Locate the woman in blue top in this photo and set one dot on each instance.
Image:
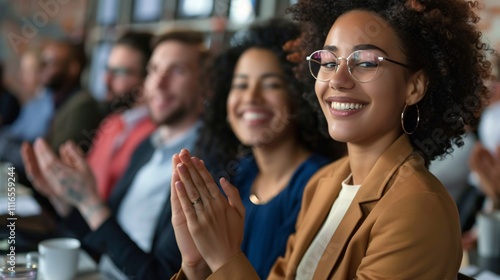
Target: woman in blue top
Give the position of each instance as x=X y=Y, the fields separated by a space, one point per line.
x=262 y=133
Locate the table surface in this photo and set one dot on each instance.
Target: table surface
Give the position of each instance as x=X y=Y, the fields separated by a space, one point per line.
x=472 y=265
x=87 y=268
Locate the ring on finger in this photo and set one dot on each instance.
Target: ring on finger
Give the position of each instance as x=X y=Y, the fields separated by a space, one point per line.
x=196 y=201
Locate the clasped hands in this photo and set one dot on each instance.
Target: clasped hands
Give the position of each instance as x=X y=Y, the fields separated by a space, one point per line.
x=67 y=181
x=208 y=225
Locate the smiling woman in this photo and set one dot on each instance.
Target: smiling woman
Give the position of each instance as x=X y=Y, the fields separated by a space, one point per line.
x=258 y=106
x=258 y=124
x=378 y=213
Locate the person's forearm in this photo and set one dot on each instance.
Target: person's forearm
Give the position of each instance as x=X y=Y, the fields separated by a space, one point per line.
x=238 y=267
x=94 y=213
x=62 y=208
x=194 y=273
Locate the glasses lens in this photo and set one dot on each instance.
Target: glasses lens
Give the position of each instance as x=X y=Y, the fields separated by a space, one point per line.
x=363 y=65
x=118 y=71
x=322 y=65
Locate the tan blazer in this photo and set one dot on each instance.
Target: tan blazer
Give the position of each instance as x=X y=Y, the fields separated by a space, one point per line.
x=402 y=224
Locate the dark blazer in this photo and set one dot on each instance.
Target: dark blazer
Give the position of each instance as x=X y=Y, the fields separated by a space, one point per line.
x=9 y=107
x=163 y=260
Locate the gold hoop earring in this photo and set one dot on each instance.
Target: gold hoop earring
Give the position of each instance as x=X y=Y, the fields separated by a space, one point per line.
x=403 y=120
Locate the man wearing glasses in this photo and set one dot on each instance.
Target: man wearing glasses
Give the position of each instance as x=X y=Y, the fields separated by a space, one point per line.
x=129 y=124
x=61 y=111
x=133 y=229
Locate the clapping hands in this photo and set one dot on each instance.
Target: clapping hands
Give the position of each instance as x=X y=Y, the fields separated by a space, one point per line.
x=67 y=181
x=208 y=226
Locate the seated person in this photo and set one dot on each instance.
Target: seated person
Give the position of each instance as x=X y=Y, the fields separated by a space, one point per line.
x=61 y=112
x=37 y=110
x=132 y=230
x=121 y=132
x=484 y=159
x=78 y=113
x=270 y=144
x=385 y=74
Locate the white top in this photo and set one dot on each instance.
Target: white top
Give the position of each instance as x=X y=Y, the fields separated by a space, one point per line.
x=309 y=262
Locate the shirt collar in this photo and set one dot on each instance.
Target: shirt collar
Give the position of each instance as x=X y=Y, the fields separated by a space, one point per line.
x=134 y=115
x=159 y=143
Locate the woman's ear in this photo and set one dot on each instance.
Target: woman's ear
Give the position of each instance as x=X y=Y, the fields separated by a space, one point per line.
x=417 y=87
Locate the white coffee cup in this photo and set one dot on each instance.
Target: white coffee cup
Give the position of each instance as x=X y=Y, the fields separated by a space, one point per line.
x=57 y=258
x=488 y=239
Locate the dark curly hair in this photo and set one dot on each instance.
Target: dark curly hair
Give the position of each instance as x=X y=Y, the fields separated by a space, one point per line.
x=439 y=37
x=217 y=145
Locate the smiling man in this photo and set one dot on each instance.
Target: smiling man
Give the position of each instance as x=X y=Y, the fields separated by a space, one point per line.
x=133 y=229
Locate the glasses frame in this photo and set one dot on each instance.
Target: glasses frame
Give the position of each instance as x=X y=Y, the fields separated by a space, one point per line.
x=339 y=58
x=120 y=71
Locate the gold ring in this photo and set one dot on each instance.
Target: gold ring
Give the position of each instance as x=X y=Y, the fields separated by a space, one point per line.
x=196 y=201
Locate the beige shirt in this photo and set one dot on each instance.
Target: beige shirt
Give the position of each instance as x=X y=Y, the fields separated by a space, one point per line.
x=310 y=261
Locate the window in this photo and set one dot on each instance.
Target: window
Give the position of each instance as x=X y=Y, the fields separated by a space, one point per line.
x=194 y=8
x=107 y=12
x=147 y=10
x=243 y=11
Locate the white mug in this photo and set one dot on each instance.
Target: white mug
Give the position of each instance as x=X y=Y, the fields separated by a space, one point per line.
x=488 y=239
x=57 y=258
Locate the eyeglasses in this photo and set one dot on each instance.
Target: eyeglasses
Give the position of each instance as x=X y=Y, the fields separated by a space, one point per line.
x=119 y=71
x=50 y=62
x=172 y=70
x=362 y=64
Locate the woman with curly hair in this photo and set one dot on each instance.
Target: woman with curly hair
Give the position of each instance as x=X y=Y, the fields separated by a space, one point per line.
x=397 y=81
x=260 y=132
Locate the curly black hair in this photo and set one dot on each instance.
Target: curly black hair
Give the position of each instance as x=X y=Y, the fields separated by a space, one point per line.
x=439 y=37
x=217 y=145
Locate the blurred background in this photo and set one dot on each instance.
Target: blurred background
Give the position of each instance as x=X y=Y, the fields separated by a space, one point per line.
x=26 y=24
